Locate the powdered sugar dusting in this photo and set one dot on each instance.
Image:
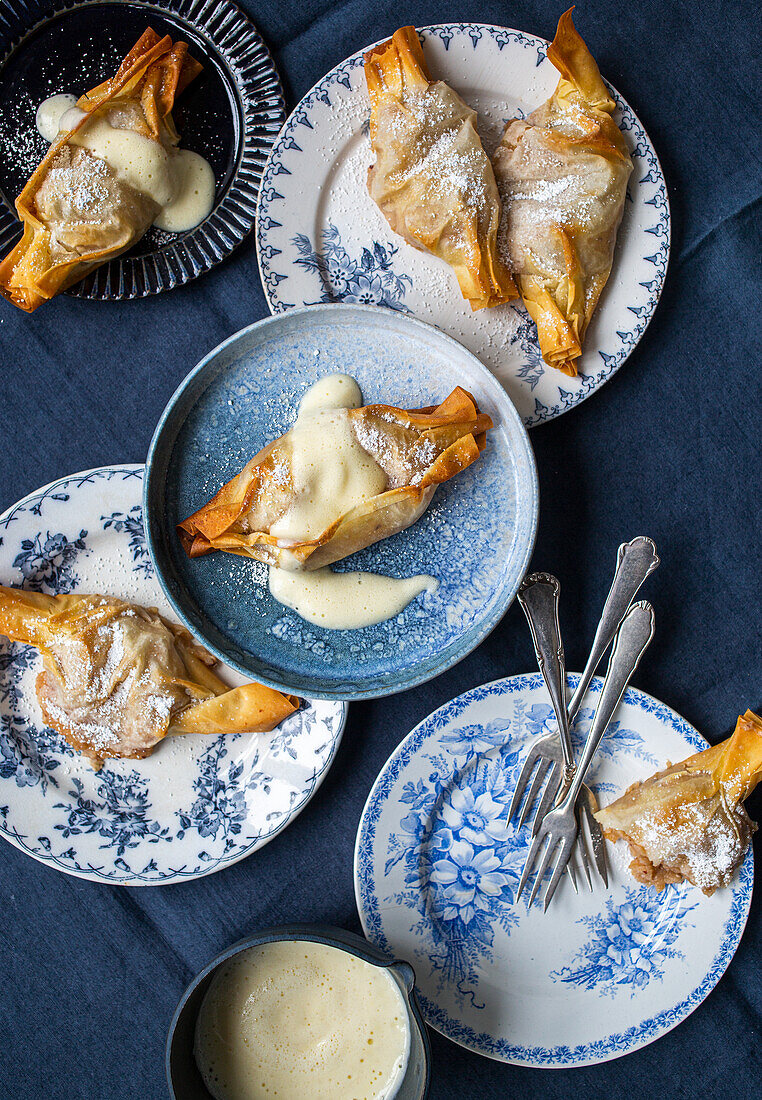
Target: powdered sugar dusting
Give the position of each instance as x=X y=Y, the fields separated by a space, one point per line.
x=704 y=840
x=488 y=333
x=81 y=185
x=114 y=678
x=23 y=146
x=452 y=168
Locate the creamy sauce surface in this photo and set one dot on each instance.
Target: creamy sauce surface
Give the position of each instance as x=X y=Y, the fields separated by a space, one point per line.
x=295 y=1019
x=139 y=161
x=50 y=112
x=334 y=391
x=346 y=601
x=193 y=198
x=332 y=474
x=179 y=181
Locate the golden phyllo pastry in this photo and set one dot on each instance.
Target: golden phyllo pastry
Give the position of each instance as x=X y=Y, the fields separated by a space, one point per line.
x=432 y=179
x=340 y=480
x=563 y=174
x=80 y=210
x=118 y=678
x=688 y=822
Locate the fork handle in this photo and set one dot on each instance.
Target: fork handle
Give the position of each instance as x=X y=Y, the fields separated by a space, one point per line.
x=538 y=596
x=635 y=561
x=630 y=643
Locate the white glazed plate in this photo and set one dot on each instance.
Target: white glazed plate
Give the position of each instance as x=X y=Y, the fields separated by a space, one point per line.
x=320 y=237
x=437 y=865
x=195 y=805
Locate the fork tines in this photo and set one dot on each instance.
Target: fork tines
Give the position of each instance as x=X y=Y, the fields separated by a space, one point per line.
x=550 y=770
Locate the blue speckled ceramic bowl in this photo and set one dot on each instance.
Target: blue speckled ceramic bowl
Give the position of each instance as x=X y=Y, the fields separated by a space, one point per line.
x=476 y=537
x=185 y=1081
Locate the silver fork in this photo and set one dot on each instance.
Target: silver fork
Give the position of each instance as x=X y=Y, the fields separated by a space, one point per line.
x=559 y=828
x=635 y=561
x=538 y=596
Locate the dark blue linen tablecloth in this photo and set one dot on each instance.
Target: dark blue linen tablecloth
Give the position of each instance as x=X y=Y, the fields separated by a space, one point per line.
x=90 y=974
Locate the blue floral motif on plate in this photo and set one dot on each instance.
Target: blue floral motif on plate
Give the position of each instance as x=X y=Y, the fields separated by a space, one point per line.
x=437 y=864
x=196 y=804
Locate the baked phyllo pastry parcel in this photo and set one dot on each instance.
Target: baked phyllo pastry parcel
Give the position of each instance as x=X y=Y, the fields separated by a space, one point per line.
x=103 y=181
x=563 y=175
x=688 y=822
x=338 y=481
x=432 y=179
x=118 y=678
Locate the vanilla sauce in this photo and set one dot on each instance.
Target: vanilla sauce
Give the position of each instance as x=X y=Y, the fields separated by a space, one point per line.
x=294 y=1019
x=332 y=473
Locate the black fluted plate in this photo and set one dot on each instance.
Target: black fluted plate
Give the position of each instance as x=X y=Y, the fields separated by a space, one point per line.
x=231 y=114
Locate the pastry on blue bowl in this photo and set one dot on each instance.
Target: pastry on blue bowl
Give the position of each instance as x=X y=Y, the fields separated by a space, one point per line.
x=367 y=489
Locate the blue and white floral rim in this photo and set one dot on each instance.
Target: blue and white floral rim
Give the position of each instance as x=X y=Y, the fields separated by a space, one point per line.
x=197 y=804
x=636 y=962
x=320 y=238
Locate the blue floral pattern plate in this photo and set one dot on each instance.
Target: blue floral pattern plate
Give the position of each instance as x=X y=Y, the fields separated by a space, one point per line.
x=437 y=864
x=320 y=238
x=197 y=804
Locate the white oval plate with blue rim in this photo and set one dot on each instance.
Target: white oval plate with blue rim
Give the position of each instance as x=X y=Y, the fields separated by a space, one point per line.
x=197 y=804
x=437 y=865
x=320 y=238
